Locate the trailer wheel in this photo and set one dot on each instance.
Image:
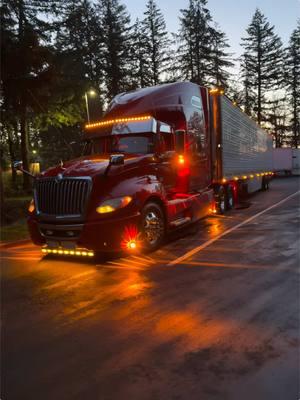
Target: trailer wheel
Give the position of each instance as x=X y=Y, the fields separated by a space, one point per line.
x=152 y=226
x=221 y=200
x=229 y=198
x=265 y=184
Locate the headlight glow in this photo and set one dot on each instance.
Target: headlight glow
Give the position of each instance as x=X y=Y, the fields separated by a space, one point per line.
x=113 y=204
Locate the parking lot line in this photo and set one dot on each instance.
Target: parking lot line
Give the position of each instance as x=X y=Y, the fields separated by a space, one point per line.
x=209 y=242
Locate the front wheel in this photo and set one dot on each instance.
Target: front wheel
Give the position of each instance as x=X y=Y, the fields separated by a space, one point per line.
x=152 y=226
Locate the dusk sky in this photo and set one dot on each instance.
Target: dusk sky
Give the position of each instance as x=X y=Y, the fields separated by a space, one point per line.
x=233 y=16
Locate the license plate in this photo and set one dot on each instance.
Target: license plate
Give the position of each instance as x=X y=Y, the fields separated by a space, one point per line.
x=52 y=243
x=68 y=245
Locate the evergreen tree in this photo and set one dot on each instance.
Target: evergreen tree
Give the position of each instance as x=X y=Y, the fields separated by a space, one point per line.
x=79 y=44
x=194 y=53
x=156 y=41
x=278 y=122
x=139 y=57
x=293 y=83
x=25 y=65
x=262 y=65
x=220 y=59
x=116 y=42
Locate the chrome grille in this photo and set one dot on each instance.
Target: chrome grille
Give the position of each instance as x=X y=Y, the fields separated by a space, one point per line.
x=67 y=196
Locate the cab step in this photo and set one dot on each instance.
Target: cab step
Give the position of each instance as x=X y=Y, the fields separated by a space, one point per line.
x=180 y=221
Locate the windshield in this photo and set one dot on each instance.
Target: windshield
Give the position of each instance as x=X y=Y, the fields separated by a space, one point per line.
x=125 y=144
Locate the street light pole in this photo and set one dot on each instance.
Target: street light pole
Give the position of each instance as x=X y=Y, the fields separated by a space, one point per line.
x=91 y=93
x=87 y=107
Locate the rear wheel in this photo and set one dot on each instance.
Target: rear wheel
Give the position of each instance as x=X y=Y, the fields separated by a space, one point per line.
x=229 y=198
x=265 y=184
x=152 y=226
x=221 y=200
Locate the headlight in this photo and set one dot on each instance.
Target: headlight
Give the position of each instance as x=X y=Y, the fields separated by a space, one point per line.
x=113 y=204
x=31 y=206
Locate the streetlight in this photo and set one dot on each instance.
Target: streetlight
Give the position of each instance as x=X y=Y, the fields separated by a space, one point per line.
x=91 y=93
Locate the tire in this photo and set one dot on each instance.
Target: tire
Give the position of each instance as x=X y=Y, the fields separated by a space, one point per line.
x=265 y=184
x=229 y=198
x=152 y=226
x=221 y=200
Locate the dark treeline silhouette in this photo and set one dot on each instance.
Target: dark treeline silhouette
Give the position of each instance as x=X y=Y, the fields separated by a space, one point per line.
x=55 y=51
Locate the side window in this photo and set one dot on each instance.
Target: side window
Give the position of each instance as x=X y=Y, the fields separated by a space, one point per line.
x=196 y=127
x=166 y=138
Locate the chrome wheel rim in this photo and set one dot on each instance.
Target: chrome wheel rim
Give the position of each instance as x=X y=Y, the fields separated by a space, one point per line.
x=153 y=227
x=222 y=205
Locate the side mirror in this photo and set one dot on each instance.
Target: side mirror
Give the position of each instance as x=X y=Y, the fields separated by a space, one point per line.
x=179 y=141
x=18 y=165
x=116 y=159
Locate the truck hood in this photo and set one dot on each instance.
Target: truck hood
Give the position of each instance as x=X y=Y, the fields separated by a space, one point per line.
x=83 y=166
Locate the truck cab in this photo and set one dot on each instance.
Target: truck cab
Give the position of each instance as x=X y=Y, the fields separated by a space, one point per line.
x=144 y=170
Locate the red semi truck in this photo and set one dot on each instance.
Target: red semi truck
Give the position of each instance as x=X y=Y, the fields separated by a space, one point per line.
x=161 y=158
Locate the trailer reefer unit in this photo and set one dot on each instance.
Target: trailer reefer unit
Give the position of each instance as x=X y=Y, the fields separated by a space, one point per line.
x=162 y=157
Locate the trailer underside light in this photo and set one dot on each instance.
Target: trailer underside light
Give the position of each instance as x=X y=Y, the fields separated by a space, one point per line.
x=84 y=253
x=117 y=121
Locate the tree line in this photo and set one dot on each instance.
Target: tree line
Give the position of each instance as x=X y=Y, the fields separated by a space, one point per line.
x=55 y=51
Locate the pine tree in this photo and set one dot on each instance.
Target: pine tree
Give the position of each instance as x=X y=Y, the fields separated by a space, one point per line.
x=79 y=44
x=293 y=83
x=278 y=122
x=194 y=52
x=115 y=21
x=220 y=59
x=25 y=64
x=262 y=65
x=156 y=41
x=139 y=56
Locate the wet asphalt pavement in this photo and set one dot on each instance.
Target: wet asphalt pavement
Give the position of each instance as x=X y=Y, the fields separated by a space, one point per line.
x=221 y=324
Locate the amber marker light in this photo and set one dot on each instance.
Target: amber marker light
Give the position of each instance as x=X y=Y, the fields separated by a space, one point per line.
x=31 y=206
x=251 y=176
x=84 y=253
x=236 y=178
x=117 y=121
x=224 y=180
x=245 y=177
x=132 y=245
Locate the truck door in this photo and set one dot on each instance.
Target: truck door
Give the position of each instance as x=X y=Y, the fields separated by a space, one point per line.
x=166 y=172
x=197 y=147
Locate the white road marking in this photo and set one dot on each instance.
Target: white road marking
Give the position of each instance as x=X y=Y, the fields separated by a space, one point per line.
x=209 y=242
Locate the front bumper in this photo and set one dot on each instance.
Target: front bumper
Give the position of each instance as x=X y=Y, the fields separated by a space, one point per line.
x=103 y=235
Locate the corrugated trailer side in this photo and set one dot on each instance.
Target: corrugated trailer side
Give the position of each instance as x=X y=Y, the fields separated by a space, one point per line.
x=241 y=151
x=246 y=148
